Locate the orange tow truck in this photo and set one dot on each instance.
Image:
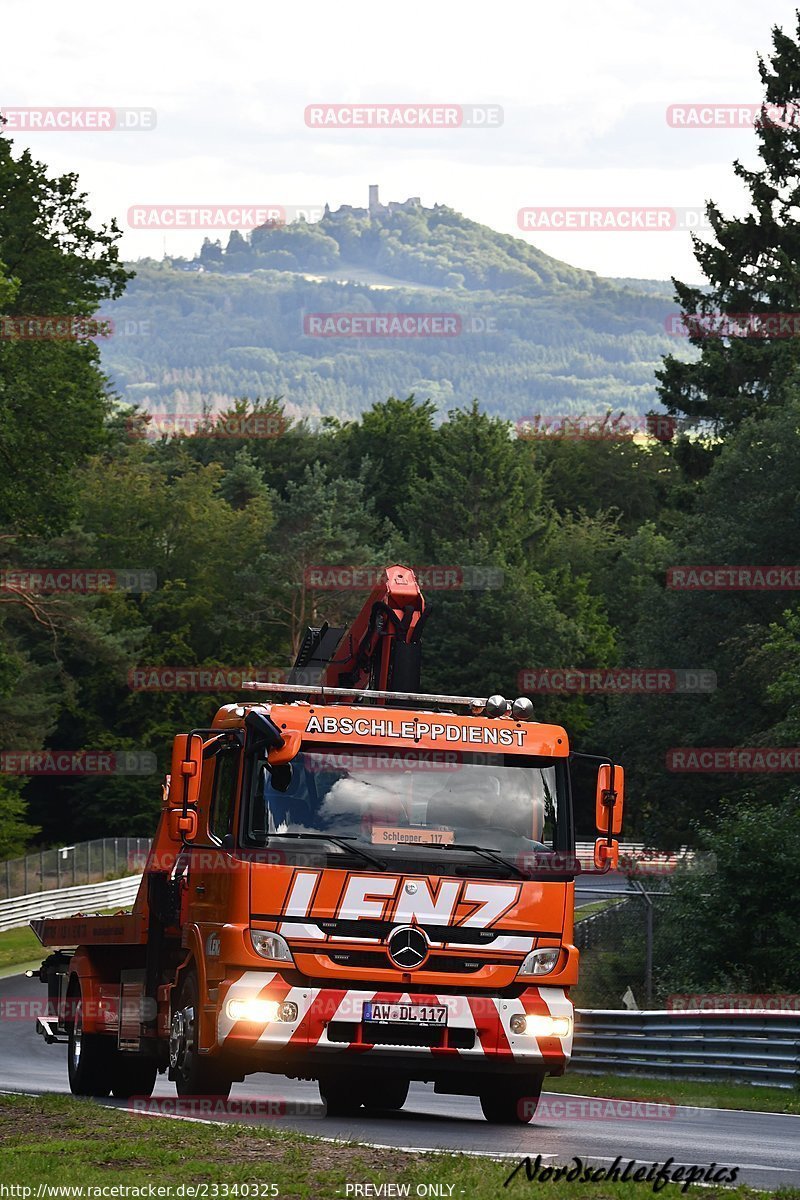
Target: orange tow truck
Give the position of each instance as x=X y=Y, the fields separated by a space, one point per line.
x=351 y=881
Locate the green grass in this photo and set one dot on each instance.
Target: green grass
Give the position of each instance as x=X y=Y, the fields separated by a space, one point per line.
x=60 y=1140
x=19 y=946
x=588 y=910
x=700 y=1094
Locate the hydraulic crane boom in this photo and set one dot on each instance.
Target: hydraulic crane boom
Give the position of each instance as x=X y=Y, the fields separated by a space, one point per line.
x=381 y=648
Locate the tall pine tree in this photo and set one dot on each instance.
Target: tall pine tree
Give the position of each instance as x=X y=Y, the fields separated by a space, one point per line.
x=753 y=267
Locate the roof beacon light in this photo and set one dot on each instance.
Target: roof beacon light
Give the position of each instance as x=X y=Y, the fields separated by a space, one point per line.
x=522 y=709
x=356 y=695
x=496 y=706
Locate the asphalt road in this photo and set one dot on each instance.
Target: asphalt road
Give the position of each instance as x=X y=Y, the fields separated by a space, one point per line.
x=765 y=1146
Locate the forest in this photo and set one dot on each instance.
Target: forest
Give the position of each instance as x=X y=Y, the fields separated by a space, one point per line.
x=533 y=334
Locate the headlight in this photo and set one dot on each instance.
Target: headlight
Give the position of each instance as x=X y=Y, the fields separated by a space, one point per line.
x=270 y=945
x=536 y=1025
x=261 y=1012
x=540 y=962
x=258 y=1011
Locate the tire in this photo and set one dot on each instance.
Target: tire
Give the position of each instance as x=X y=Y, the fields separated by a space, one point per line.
x=193 y=1074
x=132 y=1075
x=341 y=1099
x=510 y=1103
x=90 y=1056
x=387 y=1096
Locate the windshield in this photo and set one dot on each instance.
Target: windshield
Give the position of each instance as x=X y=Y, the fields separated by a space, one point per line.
x=412 y=801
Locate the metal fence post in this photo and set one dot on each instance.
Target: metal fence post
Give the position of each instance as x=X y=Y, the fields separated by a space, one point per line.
x=648 y=960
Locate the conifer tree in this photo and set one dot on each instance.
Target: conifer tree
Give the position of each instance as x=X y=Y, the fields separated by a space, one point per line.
x=746 y=320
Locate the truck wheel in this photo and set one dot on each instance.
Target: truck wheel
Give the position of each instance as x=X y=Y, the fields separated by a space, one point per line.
x=193 y=1075
x=341 y=1099
x=132 y=1075
x=389 y=1095
x=89 y=1055
x=510 y=1103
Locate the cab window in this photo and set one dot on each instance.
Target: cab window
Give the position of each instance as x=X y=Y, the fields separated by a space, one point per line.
x=226 y=777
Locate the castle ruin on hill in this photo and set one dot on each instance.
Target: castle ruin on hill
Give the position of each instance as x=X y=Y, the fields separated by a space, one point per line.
x=374 y=206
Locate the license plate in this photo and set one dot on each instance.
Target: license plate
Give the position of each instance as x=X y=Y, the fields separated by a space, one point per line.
x=405 y=1014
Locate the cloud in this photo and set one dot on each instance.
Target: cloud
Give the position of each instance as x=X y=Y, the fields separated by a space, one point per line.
x=584 y=88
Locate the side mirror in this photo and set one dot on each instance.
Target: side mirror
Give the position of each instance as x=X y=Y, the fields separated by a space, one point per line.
x=262 y=732
x=187 y=769
x=606 y=858
x=183 y=828
x=280 y=755
x=608 y=803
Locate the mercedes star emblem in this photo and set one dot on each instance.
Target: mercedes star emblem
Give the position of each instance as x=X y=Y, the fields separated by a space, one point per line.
x=408 y=947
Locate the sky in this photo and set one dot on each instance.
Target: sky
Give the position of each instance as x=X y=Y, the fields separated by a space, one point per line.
x=584 y=90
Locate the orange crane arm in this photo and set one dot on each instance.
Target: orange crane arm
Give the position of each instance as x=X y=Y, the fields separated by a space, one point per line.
x=381 y=648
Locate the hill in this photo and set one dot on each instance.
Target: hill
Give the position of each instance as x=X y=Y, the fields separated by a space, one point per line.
x=518 y=329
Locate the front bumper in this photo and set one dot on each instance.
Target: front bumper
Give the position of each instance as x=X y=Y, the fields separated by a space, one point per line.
x=328 y=1022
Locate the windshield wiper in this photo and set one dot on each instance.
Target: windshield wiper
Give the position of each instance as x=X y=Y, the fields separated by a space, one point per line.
x=490 y=855
x=340 y=840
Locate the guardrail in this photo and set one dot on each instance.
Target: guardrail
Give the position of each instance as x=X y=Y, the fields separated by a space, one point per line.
x=762 y=1048
x=67 y=901
x=646 y=860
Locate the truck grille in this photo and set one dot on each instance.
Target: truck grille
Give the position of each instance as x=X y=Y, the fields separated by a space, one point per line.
x=402 y=1035
x=380 y=959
